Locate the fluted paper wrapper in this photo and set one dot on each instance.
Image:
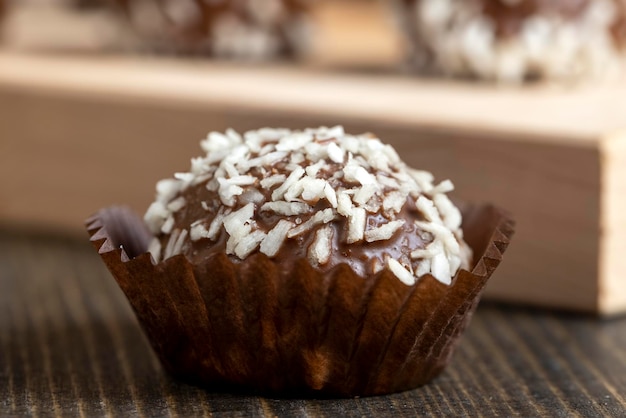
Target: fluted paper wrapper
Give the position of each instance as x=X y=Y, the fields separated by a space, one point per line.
x=255 y=325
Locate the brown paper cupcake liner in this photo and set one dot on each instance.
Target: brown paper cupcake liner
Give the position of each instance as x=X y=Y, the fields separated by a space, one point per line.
x=256 y=325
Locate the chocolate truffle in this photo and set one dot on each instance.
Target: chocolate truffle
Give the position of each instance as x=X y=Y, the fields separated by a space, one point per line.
x=308 y=261
x=245 y=29
x=318 y=194
x=516 y=40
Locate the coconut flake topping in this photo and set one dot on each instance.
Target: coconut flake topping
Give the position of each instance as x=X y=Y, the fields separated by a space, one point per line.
x=312 y=178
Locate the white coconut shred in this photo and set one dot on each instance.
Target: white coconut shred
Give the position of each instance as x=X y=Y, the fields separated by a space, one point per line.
x=354 y=176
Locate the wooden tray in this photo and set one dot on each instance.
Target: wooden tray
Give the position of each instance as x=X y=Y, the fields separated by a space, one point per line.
x=79 y=133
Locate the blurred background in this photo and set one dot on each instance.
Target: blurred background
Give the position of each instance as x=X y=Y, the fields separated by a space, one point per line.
x=521 y=104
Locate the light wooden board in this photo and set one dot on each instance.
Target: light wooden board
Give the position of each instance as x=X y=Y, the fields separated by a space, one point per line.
x=80 y=133
x=577 y=115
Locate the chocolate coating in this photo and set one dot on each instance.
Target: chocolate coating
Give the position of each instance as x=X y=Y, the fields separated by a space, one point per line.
x=316 y=195
x=362 y=257
x=509 y=18
x=618 y=29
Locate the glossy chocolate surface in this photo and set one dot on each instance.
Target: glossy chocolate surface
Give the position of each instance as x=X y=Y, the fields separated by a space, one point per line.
x=363 y=257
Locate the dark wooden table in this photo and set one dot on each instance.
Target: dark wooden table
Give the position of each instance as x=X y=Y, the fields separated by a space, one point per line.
x=70 y=346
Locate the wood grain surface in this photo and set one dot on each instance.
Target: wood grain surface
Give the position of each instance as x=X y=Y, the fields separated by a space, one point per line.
x=70 y=346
